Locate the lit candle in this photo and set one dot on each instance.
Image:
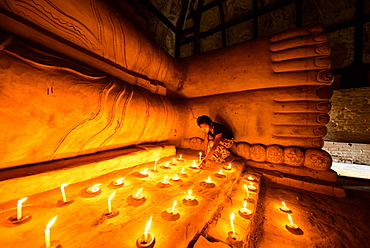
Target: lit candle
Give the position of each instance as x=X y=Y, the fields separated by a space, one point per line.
x=94 y=189
x=194 y=165
x=182 y=171
x=228 y=167
x=63 y=191
x=245 y=210
x=232 y=216
x=252 y=187
x=19 y=207
x=247 y=190
x=173 y=209
x=155 y=164
x=250 y=178
x=175 y=177
x=200 y=156
x=180 y=157
x=173 y=160
x=284 y=208
x=109 y=201
x=47 y=232
x=138 y=195
x=166 y=165
x=144 y=172
x=118 y=181
x=165 y=180
x=209 y=180
x=291 y=224
x=146 y=230
x=189 y=197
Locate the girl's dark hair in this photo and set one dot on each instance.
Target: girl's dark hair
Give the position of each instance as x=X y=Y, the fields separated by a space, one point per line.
x=204 y=120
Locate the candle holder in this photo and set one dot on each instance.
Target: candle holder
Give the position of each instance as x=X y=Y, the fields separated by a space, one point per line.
x=61 y=203
x=220 y=174
x=111 y=214
x=118 y=182
x=94 y=190
x=250 y=178
x=166 y=166
x=176 y=178
x=228 y=168
x=137 y=196
x=53 y=244
x=285 y=209
x=234 y=237
x=194 y=166
x=245 y=212
x=292 y=226
x=15 y=221
x=208 y=183
x=146 y=241
x=251 y=187
x=180 y=159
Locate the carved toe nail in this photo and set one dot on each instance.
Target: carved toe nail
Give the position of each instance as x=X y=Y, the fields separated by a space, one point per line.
x=316 y=28
x=323 y=118
x=325 y=76
x=324 y=92
x=323 y=106
x=320 y=131
x=322 y=61
x=320 y=37
x=322 y=49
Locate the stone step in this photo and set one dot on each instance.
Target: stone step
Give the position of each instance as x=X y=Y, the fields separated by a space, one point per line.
x=220 y=229
x=305 y=183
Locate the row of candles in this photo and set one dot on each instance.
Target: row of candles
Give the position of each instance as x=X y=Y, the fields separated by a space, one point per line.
x=95 y=188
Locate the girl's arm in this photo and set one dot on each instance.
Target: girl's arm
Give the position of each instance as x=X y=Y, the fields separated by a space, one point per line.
x=216 y=142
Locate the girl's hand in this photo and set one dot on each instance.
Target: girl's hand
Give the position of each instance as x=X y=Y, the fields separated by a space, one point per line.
x=202 y=164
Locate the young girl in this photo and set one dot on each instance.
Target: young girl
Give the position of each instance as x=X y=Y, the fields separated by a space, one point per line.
x=217 y=140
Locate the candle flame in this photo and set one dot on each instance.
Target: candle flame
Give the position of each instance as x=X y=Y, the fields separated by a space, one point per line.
x=112 y=195
x=145 y=171
x=180 y=156
x=64 y=185
x=48 y=226
x=245 y=204
x=147 y=227
x=200 y=153
x=190 y=192
x=250 y=178
x=251 y=184
x=22 y=200
x=230 y=165
x=194 y=164
x=220 y=172
x=232 y=216
x=209 y=179
x=139 y=191
x=174 y=205
x=120 y=180
x=283 y=204
x=175 y=176
x=183 y=170
x=95 y=187
x=165 y=178
x=290 y=219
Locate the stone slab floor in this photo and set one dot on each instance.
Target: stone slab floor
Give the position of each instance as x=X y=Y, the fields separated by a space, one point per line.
x=324 y=221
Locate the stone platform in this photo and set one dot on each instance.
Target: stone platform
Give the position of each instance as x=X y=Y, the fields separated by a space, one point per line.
x=83 y=223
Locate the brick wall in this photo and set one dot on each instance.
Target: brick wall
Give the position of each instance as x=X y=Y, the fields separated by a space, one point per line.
x=348 y=138
x=343 y=152
x=350 y=116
